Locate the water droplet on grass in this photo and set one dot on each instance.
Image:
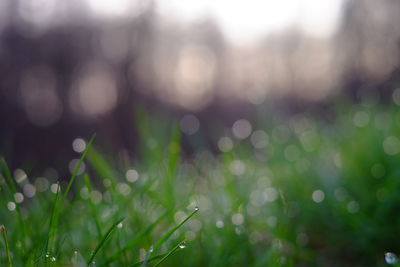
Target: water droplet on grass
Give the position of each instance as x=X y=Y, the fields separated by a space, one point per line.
x=120 y=225
x=53 y=259
x=196 y=208
x=182 y=244
x=390 y=258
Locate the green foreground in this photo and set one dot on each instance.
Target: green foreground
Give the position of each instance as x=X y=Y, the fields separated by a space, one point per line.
x=304 y=193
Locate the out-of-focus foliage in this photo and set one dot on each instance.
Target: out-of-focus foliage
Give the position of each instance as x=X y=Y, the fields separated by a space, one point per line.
x=301 y=192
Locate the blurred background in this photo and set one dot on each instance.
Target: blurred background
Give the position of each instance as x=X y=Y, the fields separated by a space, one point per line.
x=71 y=68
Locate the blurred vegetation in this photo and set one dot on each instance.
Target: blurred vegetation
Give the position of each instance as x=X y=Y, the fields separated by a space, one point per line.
x=306 y=192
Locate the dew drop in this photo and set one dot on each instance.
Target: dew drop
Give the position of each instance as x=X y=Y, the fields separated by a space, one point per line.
x=53 y=259
x=196 y=208
x=390 y=258
x=120 y=225
x=182 y=244
x=47 y=254
x=75 y=256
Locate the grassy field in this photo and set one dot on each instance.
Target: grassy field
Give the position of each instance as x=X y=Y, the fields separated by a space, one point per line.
x=303 y=192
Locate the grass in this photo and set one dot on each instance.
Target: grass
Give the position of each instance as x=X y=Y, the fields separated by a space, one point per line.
x=4 y=234
x=305 y=191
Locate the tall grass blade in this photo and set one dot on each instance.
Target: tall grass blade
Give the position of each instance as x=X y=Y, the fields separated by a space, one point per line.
x=180 y=245
x=11 y=184
x=137 y=238
x=77 y=167
x=7 y=174
x=92 y=207
x=148 y=254
x=172 y=165
x=4 y=234
x=51 y=223
x=103 y=241
x=58 y=205
x=173 y=230
x=139 y=263
x=100 y=165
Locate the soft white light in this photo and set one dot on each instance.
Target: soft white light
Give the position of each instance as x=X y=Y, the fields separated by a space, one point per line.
x=109 y=7
x=241 y=129
x=20 y=176
x=237 y=219
x=246 y=21
x=391 y=145
x=259 y=139
x=18 y=197
x=29 y=190
x=237 y=167
x=78 y=145
x=132 y=175
x=225 y=144
x=54 y=188
x=11 y=206
x=318 y=196
x=219 y=224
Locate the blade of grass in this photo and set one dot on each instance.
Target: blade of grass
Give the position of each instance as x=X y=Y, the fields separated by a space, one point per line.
x=137 y=238
x=103 y=169
x=101 y=165
x=174 y=229
x=104 y=239
x=146 y=258
x=91 y=204
x=7 y=175
x=180 y=245
x=136 y=264
x=4 y=234
x=51 y=223
x=57 y=206
x=172 y=164
x=77 y=167
x=11 y=184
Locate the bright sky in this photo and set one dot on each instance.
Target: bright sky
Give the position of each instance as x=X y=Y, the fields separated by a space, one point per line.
x=241 y=20
x=246 y=20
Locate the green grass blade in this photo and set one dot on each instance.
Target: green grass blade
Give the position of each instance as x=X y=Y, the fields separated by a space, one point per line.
x=137 y=238
x=103 y=168
x=104 y=239
x=179 y=246
x=77 y=167
x=51 y=223
x=147 y=257
x=172 y=165
x=173 y=230
x=59 y=203
x=139 y=263
x=7 y=174
x=88 y=184
x=11 y=184
x=100 y=165
x=4 y=234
